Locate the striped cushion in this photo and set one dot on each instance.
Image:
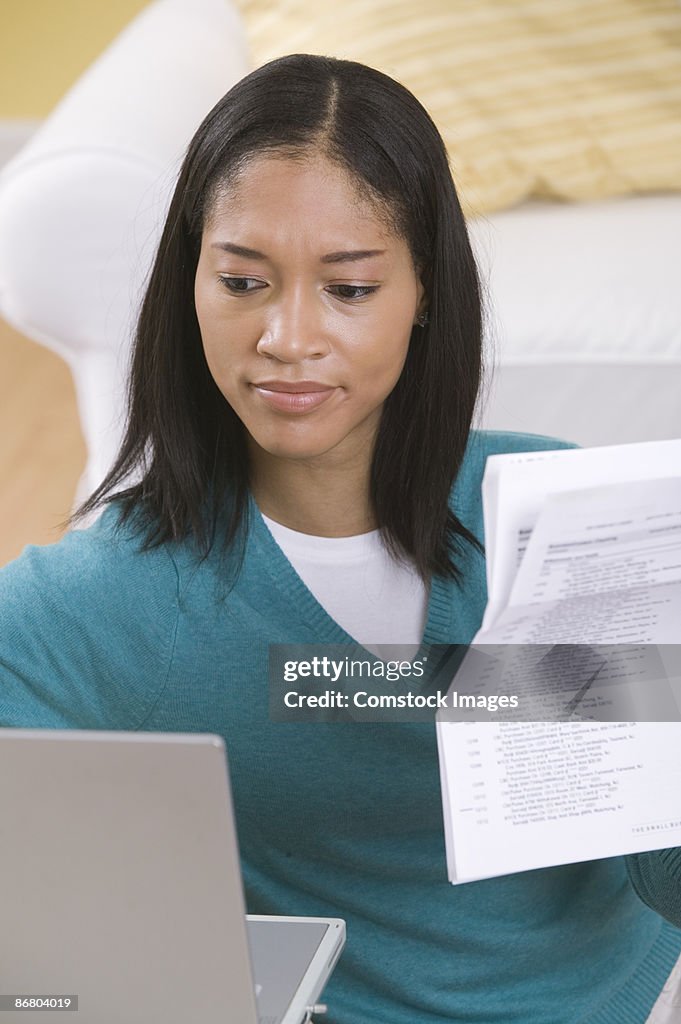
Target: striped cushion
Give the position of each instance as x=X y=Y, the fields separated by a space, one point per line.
x=569 y=99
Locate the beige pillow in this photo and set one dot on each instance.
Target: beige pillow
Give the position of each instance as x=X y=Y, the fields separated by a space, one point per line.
x=569 y=99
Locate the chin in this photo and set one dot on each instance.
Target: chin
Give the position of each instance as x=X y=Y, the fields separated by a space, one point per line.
x=284 y=444
x=295 y=451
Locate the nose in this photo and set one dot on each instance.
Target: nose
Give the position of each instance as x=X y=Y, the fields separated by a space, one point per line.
x=294 y=330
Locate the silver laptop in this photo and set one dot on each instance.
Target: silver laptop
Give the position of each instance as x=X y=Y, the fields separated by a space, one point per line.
x=121 y=891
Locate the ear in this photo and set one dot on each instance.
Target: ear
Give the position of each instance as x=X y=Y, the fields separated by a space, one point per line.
x=421 y=305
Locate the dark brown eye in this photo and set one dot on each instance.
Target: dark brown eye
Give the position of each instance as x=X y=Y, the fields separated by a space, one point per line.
x=242 y=285
x=353 y=291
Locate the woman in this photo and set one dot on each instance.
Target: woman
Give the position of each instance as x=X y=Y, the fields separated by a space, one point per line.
x=305 y=374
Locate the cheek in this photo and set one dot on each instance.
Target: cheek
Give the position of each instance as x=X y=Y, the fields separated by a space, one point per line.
x=217 y=336
x=205 y=316
x=214 y=349
x=222 y=364
x=382 y=361
x=215 y=330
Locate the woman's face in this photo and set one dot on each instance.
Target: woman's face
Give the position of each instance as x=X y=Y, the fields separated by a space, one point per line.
x=305 y=300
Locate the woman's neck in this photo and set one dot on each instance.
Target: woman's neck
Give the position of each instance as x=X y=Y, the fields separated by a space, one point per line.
x=320 y=497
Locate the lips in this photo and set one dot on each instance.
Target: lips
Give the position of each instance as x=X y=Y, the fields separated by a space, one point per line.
x=294 y=396
x=293 y=387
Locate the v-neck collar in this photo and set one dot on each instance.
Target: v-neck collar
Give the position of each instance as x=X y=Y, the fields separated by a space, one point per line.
x=438 y=628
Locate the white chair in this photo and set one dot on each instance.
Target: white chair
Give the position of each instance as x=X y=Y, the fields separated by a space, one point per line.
x=82 y=205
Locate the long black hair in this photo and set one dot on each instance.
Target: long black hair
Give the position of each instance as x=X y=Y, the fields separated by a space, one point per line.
x=184 y=446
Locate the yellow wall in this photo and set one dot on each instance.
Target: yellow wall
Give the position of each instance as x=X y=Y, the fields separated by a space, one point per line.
x=46 y=44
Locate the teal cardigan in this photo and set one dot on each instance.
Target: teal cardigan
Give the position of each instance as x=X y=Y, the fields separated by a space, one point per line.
x=334 y=819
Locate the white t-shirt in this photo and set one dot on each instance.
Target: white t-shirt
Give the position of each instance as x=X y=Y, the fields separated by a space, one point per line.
x=375 y=599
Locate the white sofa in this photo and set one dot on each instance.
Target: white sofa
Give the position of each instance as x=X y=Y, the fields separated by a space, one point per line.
x=585 y=307
x=585 y=318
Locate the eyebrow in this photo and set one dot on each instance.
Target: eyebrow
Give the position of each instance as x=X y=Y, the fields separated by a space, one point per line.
x=351 y=256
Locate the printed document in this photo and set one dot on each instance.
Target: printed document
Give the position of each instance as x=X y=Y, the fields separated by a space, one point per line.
x=583 y=626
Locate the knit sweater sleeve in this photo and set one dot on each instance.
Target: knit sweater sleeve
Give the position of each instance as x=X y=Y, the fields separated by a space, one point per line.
x=87 y=629
x=656 y=878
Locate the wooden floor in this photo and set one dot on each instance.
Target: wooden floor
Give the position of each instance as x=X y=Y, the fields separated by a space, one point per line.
x=41 y=447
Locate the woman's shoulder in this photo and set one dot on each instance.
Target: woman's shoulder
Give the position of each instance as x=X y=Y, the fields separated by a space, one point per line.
x=109 y=554
x=466 y=496
x=503 y=442
x=87 y=628
x=483 y=443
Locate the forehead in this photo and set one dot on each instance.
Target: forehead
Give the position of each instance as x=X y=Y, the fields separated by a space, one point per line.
x=307 y=193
